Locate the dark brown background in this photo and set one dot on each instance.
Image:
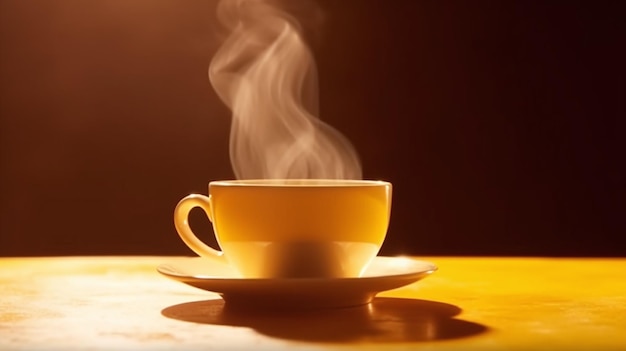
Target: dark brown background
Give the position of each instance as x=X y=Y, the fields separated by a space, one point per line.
x=500 y=123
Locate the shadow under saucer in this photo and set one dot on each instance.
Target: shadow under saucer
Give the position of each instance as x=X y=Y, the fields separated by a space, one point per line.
x=383 y=320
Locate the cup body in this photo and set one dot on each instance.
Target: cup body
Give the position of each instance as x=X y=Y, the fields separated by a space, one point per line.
x=300 y=228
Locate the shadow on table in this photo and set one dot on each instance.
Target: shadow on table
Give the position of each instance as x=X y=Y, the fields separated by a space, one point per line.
x=383 y=320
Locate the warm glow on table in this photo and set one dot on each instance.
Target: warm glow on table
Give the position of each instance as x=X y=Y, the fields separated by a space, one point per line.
x=122 y=303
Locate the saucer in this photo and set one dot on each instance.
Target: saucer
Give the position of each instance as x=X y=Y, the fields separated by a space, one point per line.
x=383 y=273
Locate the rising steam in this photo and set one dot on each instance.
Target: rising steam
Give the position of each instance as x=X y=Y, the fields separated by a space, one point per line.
x=265 y=73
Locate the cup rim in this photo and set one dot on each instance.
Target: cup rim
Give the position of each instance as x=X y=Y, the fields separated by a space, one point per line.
x=324 y=183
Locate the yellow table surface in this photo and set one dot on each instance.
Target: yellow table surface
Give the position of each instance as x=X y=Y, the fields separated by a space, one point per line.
x=122 y=303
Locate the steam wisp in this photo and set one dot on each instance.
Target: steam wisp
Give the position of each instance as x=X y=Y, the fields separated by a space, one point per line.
x=266 y=74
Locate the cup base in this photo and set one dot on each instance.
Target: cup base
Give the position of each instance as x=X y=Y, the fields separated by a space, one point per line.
x=300 y=259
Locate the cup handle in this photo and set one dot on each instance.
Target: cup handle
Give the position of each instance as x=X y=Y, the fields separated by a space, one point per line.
x=181 y=222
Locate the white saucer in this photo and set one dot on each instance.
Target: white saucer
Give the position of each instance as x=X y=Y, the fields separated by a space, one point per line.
x=384 y=273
